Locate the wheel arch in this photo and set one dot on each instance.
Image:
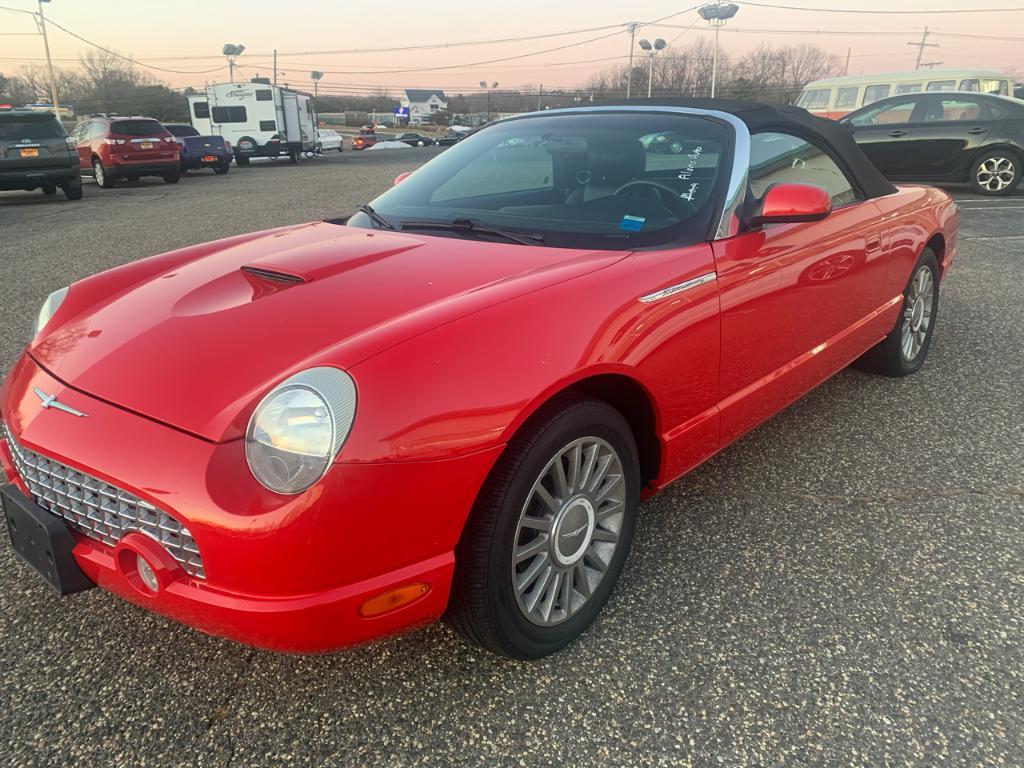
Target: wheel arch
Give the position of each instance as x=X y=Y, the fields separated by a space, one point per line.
x=937 y=244
x=621 y=389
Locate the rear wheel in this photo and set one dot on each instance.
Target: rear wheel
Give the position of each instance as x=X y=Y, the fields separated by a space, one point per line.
x=996 y=173
x=550 y=531
x=72 y=192
x=100 y=173
x=904 y=350
x=221 y=168
x=50 y=189
x=172 y=178
x=242 y=159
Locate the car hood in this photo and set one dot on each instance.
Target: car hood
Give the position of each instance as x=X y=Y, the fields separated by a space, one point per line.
x=195 y=342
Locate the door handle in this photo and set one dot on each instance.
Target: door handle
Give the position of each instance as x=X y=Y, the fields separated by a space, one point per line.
x=873 y=242
x=976 y=131
x=897 y=133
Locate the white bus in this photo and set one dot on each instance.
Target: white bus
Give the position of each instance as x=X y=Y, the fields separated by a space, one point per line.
x=259 y=119
x=839 y=96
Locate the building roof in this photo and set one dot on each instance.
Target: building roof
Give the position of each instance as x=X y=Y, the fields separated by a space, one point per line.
x=424 y=94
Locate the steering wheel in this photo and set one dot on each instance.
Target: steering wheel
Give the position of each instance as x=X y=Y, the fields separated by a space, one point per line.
x=683 y=209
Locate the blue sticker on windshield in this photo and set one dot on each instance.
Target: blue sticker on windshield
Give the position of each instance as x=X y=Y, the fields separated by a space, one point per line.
x=632 y=223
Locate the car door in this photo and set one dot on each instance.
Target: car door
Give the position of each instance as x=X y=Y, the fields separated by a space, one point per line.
x=882 y=130
x=791 y=293
x=952 y=128
x=81 y=136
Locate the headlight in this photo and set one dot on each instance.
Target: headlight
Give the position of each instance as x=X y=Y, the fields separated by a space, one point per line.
x=297 y=430
x=50 y=306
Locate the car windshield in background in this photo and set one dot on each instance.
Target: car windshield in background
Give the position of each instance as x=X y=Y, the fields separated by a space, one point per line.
x=601 y=180
x=136 y=128
x=181 y=131
x=30 y=128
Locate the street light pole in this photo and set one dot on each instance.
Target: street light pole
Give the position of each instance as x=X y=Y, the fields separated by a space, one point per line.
x=716 y=14
x=49 y=61
x=652 y=51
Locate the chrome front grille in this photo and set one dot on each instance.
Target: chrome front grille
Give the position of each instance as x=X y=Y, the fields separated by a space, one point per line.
x=99 y=510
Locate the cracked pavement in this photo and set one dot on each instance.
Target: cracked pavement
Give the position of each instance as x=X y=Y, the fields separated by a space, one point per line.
x=844 y=586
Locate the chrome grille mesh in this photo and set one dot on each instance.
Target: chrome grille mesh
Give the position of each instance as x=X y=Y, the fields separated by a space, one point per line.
x=99 y=510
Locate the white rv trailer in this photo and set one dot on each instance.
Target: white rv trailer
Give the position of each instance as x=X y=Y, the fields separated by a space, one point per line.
x=259 y=119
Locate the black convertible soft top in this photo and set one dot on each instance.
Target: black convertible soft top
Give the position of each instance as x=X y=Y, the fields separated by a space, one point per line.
x=828 y=134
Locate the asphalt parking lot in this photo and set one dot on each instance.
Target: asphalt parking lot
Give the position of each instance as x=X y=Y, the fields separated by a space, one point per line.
x=844 y=586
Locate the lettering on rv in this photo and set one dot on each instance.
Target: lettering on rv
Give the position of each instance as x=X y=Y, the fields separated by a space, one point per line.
x=241 y=94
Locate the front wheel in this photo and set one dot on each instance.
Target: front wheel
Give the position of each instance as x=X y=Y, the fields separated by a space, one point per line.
x=550 y=531
x=904 y=350
x=996 y=173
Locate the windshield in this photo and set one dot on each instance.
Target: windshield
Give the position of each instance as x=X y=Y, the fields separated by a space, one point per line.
x=181 y=131
x=136 y=128
x=600 y=180
x=30 y=128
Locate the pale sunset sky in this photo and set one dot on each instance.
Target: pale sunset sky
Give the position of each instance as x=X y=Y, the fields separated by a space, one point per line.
x=309 y=34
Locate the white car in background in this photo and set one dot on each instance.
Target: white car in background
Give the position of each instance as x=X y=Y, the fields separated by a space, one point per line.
x=327 y=139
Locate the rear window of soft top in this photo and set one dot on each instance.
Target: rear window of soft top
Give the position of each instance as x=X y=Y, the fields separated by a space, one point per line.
x=136 y=128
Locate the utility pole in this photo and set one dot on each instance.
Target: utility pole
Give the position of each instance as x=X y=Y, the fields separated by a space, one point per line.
x=275 y=66
x=49 y=62
x=632 y=39
x=921 y=46
x=849 y=50
x=540 y=97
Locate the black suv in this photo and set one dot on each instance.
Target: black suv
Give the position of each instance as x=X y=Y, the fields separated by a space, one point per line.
x=36 y=152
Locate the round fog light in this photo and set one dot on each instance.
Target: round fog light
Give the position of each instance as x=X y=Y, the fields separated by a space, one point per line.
x=146 y=573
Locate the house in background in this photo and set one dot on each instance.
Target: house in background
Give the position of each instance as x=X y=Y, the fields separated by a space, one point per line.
x=422 y=103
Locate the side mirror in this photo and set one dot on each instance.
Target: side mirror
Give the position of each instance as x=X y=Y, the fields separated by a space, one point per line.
x=401 y=177
x=790 y=203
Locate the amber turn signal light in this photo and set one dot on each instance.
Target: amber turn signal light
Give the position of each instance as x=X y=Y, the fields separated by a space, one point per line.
x=393 y=599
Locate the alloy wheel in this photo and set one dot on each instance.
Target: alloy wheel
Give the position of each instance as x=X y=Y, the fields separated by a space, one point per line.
x=98 y=172
x=996 y=174
x=917 y=313
x=568 y=530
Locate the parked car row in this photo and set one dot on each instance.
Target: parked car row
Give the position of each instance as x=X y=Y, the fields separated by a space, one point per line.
x=945 y=137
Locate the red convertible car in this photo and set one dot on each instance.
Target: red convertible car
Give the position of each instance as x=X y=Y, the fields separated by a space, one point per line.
x=454 y=401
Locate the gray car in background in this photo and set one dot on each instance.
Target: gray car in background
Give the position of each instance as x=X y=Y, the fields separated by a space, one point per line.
x=37 y=153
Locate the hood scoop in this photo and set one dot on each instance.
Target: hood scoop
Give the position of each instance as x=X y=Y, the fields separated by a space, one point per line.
x=272 y=274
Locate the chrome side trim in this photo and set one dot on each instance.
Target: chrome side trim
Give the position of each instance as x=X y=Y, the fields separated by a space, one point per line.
x=672 y=290
x=729 y=223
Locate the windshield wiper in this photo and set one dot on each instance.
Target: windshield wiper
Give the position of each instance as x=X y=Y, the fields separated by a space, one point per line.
x=375 y=217
x=469 y=226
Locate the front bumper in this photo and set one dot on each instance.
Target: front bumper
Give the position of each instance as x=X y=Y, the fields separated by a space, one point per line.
x=284 y=573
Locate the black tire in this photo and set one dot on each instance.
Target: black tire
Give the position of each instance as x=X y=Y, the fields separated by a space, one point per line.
x=50 y=189
x=242 y=159
x=996 y=184
x=172 y=178
x=341 y=147
x=103 y=180
x=221 y=168
x=888 y=356
x=72 y=192
x=483 y=605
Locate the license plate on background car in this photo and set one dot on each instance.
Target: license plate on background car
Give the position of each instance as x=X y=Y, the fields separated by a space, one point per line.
x=30 y=153
x=209 y=159
x=146 y=145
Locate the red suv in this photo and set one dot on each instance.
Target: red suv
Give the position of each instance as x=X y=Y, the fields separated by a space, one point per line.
x=114 y=148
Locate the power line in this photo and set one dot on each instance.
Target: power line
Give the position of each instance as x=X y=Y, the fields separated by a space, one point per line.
x=879 y=12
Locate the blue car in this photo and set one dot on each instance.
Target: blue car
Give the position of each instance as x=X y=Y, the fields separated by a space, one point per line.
x=200 y=151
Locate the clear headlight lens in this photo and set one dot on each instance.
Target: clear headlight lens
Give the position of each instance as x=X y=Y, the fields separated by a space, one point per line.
x=49 y=308
x=296 y=432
